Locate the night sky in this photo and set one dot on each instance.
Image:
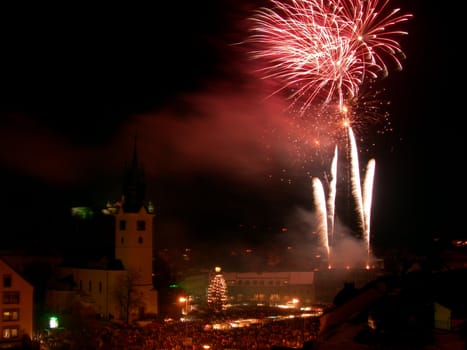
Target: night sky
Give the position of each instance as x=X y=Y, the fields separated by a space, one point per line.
x=79 y=83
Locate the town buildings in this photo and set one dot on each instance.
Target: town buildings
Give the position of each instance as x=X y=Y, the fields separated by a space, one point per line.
x=17 y=307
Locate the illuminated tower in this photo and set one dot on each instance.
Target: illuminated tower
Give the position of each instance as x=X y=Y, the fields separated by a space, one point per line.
x=134 y=231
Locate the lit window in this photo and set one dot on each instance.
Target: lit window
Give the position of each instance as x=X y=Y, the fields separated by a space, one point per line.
x=10 y=332
x=10 y=315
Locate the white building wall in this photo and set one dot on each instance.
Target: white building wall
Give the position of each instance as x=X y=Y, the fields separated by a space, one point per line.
x=133 y=246
x=98 y=287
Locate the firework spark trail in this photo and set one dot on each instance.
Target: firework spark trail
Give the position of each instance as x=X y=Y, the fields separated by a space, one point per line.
x=326 y=49
x=367 y=198
x=326 y=208
x=320 y=201
x=355 y=179
x=331 y=203
x=373 y=41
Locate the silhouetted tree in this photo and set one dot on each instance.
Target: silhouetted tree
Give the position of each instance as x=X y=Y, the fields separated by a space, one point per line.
x=127 y=294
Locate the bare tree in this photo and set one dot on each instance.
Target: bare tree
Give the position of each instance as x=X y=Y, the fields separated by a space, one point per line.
x=127 y=295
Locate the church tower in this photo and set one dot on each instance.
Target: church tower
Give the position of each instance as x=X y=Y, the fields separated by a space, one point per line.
x=134 y=222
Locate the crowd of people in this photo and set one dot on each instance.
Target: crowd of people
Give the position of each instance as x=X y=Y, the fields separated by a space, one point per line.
x=197 y=334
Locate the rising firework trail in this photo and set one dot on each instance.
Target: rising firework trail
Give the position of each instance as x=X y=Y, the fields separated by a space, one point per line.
x=362 y=199
x=355 y=182
x=367 y=200
x=320 y=202
x=331 y=202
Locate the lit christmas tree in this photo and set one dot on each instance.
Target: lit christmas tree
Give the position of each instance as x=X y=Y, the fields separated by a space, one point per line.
x=217 y=291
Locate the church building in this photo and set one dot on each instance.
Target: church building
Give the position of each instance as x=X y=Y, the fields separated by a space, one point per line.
x=120 y=286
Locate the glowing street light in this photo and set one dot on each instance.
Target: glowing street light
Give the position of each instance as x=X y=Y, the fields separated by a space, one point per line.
x=53 y=322
x=185 y=301
x=187 y=341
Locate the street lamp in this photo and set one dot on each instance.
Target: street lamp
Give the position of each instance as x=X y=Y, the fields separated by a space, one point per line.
x=184 y=300
x=188 y=341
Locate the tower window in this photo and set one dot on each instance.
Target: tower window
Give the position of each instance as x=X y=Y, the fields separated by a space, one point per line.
x=140 y=240
x=122 y=225
x=141 y=225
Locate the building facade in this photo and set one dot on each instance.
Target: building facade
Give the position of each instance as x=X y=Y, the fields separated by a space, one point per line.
x=280 y=288
x=271 y=288
x=17 y=298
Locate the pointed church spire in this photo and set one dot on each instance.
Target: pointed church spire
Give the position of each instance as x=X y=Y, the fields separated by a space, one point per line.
x=134 y=186
x=134 y=161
